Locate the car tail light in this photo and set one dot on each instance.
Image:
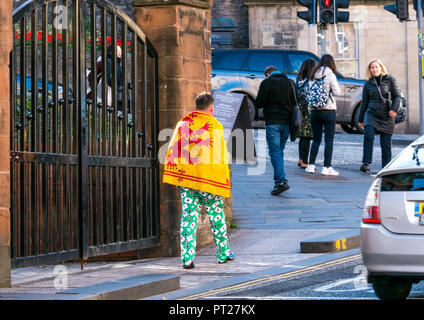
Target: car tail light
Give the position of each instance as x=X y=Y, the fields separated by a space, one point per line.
x=372 y=204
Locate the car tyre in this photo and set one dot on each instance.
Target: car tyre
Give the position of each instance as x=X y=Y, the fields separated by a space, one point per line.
x=392 y=288
x=355 y=119
x=252 y=109
x=348 y=128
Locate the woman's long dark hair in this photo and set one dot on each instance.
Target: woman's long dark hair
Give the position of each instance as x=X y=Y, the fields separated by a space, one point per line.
x=306 y=69
x=326 y=61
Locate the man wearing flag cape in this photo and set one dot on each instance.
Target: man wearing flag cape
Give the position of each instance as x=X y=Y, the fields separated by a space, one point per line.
x=197 y=162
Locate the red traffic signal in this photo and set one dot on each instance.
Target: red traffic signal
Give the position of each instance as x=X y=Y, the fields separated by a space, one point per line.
x=329 y=11
x=326 y=11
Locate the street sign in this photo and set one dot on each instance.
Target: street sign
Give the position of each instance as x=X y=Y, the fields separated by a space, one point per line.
x=232 y=111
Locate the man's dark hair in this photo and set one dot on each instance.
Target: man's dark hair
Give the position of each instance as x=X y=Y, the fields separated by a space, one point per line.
x=204 y=100
x=269 y=70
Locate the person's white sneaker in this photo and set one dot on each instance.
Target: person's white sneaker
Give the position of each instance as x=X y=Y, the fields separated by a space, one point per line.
x=310 y=168
x=329 y=172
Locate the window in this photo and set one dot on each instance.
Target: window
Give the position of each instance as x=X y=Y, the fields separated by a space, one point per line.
x=341 y=41
x=411 y=181
x=296 y=60
x=228 y=60
x=258 y=61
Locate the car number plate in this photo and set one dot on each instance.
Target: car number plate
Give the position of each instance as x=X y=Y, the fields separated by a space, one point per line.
x=419 y=212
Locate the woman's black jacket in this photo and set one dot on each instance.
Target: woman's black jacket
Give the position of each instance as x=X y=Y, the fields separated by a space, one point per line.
x=375 y=107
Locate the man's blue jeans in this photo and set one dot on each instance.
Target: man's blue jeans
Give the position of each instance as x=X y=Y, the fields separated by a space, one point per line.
x=276 y=138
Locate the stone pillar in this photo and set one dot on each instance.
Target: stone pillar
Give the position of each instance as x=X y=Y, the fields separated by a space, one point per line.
x=6 y=45
x=180 y=31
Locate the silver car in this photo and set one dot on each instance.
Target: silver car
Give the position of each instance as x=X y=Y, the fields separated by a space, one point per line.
x=242 y=71
x=392 y=229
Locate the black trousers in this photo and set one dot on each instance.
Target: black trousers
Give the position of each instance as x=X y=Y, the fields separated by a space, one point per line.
x=304 y=146
x=385 y=143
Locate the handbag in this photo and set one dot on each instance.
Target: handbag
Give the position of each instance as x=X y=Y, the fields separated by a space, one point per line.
x=296 y=118
x=401 y=112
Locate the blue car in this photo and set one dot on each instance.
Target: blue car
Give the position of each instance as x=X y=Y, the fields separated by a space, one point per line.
x=28 y=85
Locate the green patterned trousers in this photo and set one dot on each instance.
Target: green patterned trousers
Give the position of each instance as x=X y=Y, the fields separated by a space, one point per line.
x=192 y=201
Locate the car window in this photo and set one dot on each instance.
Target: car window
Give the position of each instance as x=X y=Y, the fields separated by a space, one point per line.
x=228 y=60
x=258 y=61
x=296 y=60
x=411 y=181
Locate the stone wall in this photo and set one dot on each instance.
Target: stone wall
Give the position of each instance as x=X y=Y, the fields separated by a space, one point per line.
x=6 y=44
x=236 y=10
x=180 y=31
x=274 y=27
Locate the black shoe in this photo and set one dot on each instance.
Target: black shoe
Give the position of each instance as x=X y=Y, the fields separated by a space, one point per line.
x=280 y=188
x=365 y=168
x=189 y=266
x=231 y=257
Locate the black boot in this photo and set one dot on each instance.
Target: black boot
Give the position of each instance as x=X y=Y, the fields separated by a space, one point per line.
x=189 y=266
x=280 y=188
x=365 y=168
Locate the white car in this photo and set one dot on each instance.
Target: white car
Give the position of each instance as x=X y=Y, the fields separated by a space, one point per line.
x=392 y=229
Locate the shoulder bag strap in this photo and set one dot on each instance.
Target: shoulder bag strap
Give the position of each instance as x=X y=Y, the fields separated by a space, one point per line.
x=379 y=91
x=294 y=91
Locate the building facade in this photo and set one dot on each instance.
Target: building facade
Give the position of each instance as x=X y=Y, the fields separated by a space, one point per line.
x=230 y=24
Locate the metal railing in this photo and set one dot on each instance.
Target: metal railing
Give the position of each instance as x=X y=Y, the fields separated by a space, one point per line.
x=84 y=125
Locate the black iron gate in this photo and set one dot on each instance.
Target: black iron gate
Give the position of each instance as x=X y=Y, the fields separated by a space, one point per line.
x=84 y=167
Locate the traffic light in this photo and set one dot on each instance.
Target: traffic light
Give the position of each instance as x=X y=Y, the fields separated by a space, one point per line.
x=329 y=11
x=326 y=11
x=341 y=16
x=311 y=15
x=400 y=9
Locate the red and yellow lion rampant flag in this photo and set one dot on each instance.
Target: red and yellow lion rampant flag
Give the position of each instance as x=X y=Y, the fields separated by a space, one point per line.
x=197 y=156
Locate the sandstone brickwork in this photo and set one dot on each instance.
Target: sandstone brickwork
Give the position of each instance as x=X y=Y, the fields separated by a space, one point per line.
x=6 y=44
x=180 y=31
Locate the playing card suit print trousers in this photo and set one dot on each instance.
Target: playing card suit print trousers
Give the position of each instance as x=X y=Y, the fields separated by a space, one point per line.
x=192 y=201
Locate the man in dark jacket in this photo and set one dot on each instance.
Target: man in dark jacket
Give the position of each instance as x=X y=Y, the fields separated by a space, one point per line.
x=276 y=96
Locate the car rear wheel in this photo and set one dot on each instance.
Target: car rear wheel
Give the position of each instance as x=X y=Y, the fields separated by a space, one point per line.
x=252 y=109
x=392 y=288
x=355 y=119
x=348 y=128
